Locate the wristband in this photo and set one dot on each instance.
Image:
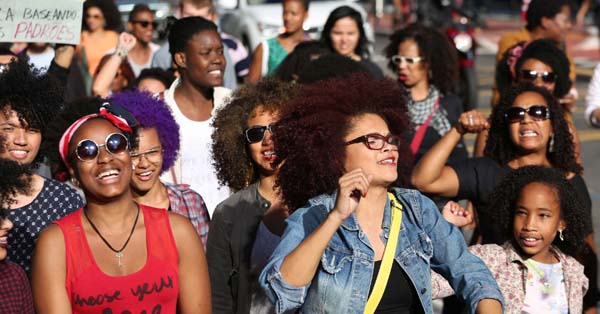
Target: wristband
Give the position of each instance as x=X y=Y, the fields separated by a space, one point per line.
x=121 y=52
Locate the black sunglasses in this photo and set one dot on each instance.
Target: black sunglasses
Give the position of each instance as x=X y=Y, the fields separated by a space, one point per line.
x=536 y=112
x=531 y=75
x=256 y=134
x=145 y=24
x=115 y=143
x=376 y=141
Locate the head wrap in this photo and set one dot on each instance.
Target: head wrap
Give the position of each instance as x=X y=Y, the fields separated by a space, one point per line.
x=115 y=114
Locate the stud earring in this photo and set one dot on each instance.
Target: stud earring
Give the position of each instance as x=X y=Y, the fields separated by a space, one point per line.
x=560 y=235
x=132 y=167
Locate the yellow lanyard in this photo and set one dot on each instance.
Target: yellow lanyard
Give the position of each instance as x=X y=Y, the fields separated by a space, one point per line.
x=388 y=257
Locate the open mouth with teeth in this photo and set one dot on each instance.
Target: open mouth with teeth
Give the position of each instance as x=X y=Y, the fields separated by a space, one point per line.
x=215 y=72
x=3 y=242
x=391 y=161
x=269 y=155
x=528 y=133
x=108 y=175
x=18 y=153
x=530 y=241
x=145 y=176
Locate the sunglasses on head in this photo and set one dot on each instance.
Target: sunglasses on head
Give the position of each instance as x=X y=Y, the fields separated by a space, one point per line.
x=397 y=59
x=531 y=75
x=88 y=150
x=536 y=112
x=145 y=24
x=256 y=134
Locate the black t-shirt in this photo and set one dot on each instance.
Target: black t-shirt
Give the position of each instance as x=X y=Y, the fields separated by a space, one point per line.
x=399 y=296
x=477 y=179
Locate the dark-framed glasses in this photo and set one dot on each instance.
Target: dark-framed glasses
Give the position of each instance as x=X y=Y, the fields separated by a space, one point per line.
x=531 y=75
x=536 y=112
x=88 y=150
x=256 y=133
x=375 y=141
x=397 y=59
x=145 y=24
x=153 y=156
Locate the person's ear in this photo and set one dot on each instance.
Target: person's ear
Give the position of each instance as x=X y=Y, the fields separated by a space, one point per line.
x=179 y=59
x=562 y=225
x=545 y=22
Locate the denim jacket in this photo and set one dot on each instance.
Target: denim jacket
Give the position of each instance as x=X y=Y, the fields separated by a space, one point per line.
x=342 y=281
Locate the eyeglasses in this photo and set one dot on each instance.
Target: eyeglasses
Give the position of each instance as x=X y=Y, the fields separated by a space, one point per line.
x=256 y=134
x=153 y=156
x=115 y=143
x=536 y=112
x=531 y=75
x=397 y=59
x=376 y=141
x=145 y=24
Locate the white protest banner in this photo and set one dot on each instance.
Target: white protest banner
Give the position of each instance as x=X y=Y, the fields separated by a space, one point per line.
x=51 y=21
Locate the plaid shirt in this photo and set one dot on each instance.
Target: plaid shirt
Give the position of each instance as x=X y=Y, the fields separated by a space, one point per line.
x=15 y=293
x=188 y=203
x=510 y=272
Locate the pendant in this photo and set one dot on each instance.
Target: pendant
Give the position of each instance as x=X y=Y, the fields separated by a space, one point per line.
x=119 y=255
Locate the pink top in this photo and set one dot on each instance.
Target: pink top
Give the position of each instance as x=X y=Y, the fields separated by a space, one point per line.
x=153 y=289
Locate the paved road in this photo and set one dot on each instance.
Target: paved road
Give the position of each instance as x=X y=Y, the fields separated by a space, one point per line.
x=590 y=138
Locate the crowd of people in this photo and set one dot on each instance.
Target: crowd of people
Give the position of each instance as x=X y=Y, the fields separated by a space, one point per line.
x=195 y=177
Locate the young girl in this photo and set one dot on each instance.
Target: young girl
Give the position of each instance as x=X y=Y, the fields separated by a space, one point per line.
x=542 y=213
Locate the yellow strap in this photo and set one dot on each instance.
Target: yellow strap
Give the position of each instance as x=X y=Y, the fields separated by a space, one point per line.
x=388 y=257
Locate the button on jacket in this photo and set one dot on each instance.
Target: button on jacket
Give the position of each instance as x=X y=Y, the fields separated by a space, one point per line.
x=342 y=280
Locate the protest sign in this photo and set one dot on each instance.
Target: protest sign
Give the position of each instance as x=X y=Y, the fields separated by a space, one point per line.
x=51 y=21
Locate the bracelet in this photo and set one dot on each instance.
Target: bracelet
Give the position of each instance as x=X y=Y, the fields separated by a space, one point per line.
x=121 y=52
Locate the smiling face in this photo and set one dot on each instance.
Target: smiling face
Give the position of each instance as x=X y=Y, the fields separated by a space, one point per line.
x=382 y=163
x=94 y=18
x=530 y=135
x=345 y=36
x=263 y=152
x=539 y=67
x=203 y=61
x=411 y=74
x=141 y=33
x=5 y=226
x=557 y=27
x=21 y=142
x=108 y=175
x=148 y=162
x=537 y=220
x=294 y=15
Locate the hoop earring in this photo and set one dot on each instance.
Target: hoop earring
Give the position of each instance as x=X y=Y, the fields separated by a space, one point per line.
x=551 y=144
x=74 y=182
x=250 y=174
x=560 y=235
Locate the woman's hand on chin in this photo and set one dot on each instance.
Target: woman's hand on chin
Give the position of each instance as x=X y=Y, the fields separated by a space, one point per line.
x=351 y=187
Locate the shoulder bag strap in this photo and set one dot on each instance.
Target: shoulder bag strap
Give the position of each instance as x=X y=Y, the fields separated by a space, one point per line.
x=420 y=134
x=388 y=257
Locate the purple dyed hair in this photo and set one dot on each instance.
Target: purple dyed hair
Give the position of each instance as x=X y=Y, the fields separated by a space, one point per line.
x=152 y=112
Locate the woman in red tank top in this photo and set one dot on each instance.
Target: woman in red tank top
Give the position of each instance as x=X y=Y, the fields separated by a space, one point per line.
x=113 y=255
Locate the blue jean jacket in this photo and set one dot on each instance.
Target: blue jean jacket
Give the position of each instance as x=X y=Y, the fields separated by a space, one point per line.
x=342 y=281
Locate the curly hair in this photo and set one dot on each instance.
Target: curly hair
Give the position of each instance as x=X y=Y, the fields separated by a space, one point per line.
x=35 y=98
x=500 y=147
x=508 y=191
x=232 y=160
x=313 y=126
x=16 y=179
x=111 y=13
x=340 y=13
x=543 y=50
x=59 y=125
x=439 y=54
x=151 y=112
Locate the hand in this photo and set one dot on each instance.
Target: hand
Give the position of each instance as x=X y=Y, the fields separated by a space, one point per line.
x=126 y=41
x=569 y=101
x=472 y=122
x=347 y=198
x=456 y=214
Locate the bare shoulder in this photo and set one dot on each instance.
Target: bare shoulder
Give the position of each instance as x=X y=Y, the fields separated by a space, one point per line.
x=181 y=226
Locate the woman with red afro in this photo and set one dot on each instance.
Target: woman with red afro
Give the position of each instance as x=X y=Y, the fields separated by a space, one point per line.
x=356 y=243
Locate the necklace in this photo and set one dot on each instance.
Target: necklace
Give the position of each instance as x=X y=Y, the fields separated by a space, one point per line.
x=118 y=253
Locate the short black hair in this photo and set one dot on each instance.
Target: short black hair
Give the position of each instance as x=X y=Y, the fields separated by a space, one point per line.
x=328 y=67
x=439 y=54
x=340 y=13
x=109 y=9
x=184 y=29
x=504 y=198
x=164 y=76
x=305 y=3
x=138 y=8
x=539 y=9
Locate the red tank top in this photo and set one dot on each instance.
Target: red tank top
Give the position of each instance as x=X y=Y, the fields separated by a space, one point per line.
x=153 y=289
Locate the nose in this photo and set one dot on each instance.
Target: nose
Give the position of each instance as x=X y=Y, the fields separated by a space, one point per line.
x=142 y=161
x=6 y=224
x=530 y=223
x=103 y=155
x=20 y=136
